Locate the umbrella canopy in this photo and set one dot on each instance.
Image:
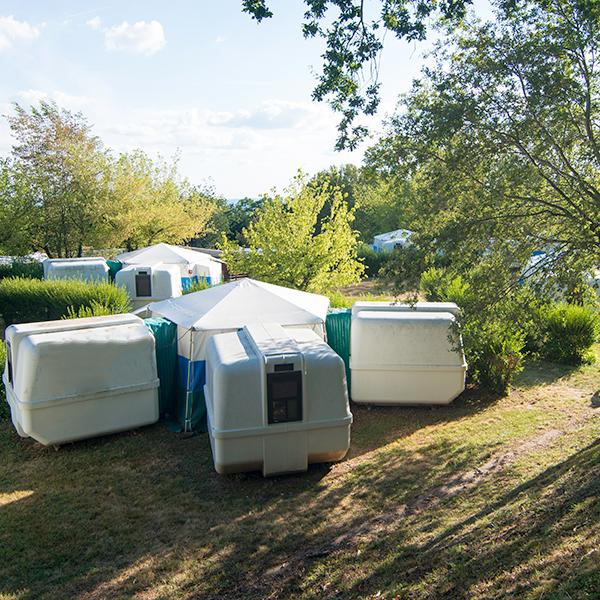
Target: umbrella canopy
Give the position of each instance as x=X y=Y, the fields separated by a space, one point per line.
x=165 y=253
x=243 y=302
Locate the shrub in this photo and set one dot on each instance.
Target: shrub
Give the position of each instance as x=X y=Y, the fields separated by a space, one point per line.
x=26 y=300
x=440 y=285
x=94 y=310
x=196 y=286
x=338 y=300
x=569 y=333
x=494 y=353
x=22 y=268
x=372 y=260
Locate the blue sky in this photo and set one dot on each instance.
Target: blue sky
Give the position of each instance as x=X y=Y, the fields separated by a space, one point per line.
x=200 y=78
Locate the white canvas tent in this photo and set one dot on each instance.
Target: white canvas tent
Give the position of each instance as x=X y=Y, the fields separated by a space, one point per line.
x=225 y=308
x=194 y=265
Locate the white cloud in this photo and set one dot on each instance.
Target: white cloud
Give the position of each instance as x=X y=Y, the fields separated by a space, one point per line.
x=12 y=31
x=219 y=39
x=63 y=99
x=95 y=23
x=272 y=114
x=141 y=37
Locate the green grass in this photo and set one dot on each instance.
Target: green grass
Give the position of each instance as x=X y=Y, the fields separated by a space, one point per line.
x=487 y=498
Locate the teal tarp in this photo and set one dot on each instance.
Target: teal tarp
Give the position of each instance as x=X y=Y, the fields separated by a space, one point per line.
x=165 y=336
x=337 y=326
x=114 y=266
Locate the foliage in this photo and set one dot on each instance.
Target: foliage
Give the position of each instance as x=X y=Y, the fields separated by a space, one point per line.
x=95 y=309
x=373 y=261
x=339 y=300
x=67 y=192
x=495 y=353
x=55 y=185
x=570 y=332
x=196 y=286
x=494 y=333
x=377 y=201
x=402 y=270
x=285 y=245
x=22 y=268
x=353 y=44
x=439 y=284
x=27 y=300
x=500 y=141
x=154 y=204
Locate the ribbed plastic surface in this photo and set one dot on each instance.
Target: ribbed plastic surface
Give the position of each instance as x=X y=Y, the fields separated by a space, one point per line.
x=337 y=325
x=165 y=335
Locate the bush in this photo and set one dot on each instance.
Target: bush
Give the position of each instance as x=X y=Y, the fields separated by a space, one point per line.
x=440 y=285
x=338 y=300
x=494 y=353
x=22 y=268
x=372 y=260
x=196 y=286
x=94 y=310
x=570 y=331
x=26 y=300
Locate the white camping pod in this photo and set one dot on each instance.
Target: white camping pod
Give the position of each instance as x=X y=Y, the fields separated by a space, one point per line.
x=450 y=307
x=152 y=283
x=194 y=266
x=224 y=308
x=406 y=356
x=73 y=379
x=90 y=269
x=276 y=400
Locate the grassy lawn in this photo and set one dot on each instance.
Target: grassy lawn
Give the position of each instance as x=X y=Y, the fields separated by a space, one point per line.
x=488 y=498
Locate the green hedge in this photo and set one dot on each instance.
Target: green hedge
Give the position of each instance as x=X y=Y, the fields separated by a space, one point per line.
x=22 y=268
x=26 y=300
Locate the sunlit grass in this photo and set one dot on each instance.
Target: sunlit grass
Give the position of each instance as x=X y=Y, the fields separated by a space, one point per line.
x=488 y=498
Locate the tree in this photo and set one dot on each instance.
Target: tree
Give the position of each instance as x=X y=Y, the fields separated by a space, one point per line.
x=354 y=41
x=57 y=184
x=67 y=192
x=285 y=245
x=500 y=142
x=377 y=201
x=153 y=204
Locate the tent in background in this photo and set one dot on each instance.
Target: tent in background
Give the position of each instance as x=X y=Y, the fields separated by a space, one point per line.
x=194 y=265
x=223 y=308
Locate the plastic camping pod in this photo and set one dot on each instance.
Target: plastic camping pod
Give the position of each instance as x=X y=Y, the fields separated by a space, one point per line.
x=193 y=265
x=276 y=400
x=406 y=356
x=145 y=284
x=221 y=309
x=74 y=379
x=87 y=269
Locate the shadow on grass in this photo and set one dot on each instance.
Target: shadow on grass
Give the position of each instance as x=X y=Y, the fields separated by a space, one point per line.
x=541 y=372
x=500 y=545
x=145 y=511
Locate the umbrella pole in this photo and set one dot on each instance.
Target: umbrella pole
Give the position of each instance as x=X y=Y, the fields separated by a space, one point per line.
x=187 y=426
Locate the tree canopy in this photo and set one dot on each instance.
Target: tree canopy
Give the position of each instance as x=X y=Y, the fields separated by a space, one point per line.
x=287 y=245
x=354 y=37
x=61 y=190
x=500 y=142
